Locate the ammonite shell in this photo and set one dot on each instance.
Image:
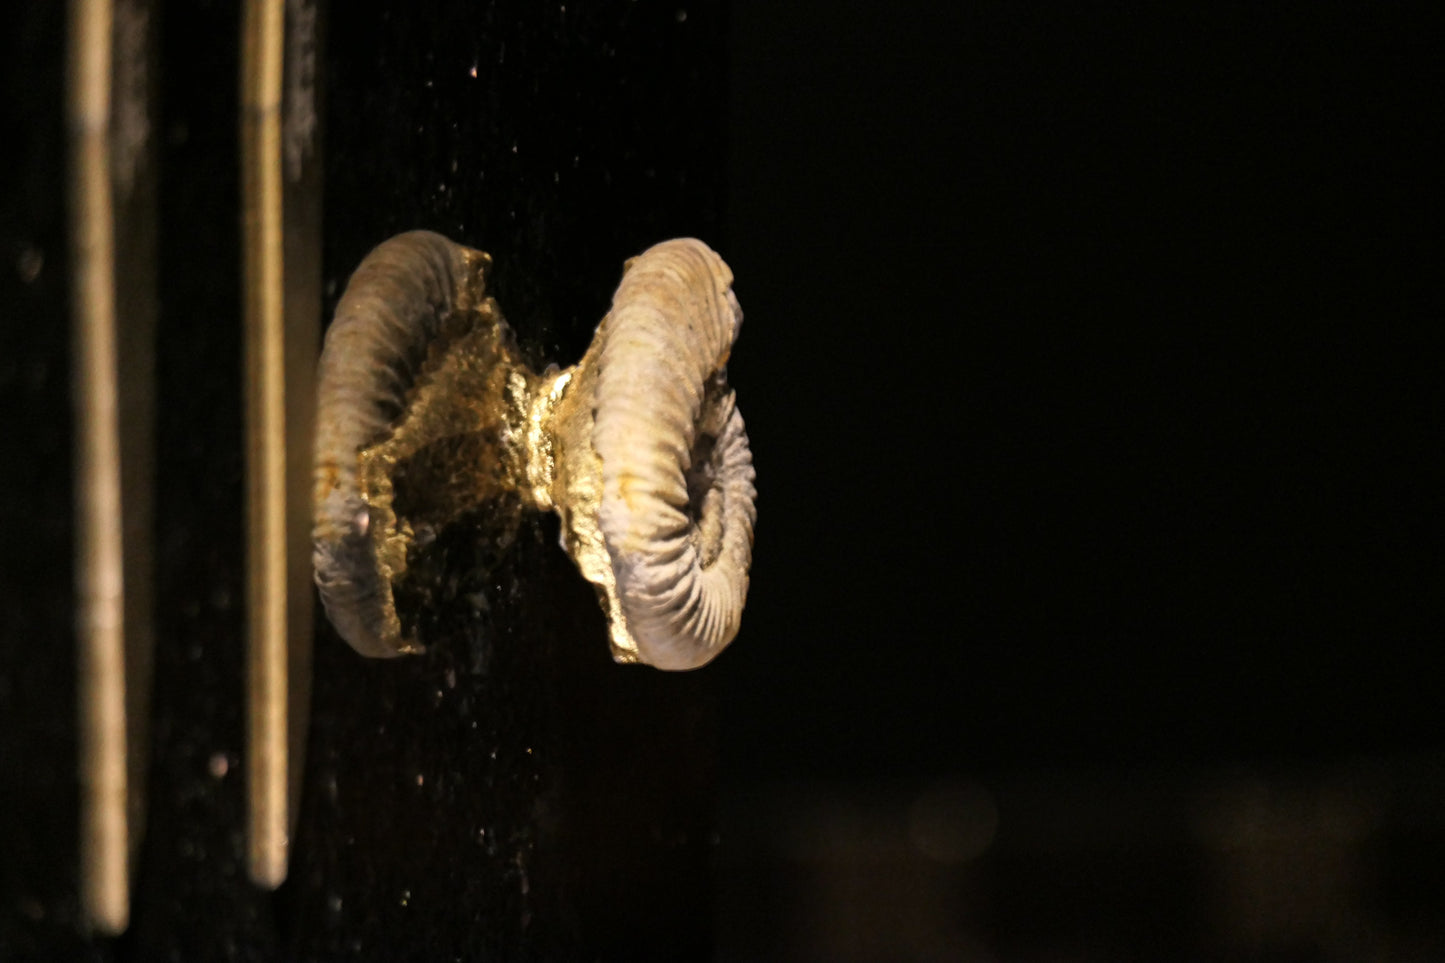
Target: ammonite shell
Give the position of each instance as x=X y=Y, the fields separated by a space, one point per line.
x=410 y=298
x=670 y=476
x=640 y=447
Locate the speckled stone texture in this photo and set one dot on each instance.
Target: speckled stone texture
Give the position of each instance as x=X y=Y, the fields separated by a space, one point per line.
x=512 y=794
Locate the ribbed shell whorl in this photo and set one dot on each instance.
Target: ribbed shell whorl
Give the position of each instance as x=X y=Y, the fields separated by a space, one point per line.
x=396 y=305
x=676 y=508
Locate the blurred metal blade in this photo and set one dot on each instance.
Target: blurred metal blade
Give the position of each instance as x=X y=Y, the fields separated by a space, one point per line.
x=112 y=195
x=281 y=205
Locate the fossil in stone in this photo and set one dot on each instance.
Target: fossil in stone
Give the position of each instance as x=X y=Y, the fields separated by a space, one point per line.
x=427 y=413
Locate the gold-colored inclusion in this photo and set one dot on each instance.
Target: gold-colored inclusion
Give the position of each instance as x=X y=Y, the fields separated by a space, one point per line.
x=463 y=402
x=576 y=491
x=481 y=432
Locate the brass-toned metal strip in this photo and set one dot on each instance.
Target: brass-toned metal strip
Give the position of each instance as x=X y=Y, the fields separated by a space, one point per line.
x=281 y=242
x=100 y=577
x=108 y=109
x=262 y=63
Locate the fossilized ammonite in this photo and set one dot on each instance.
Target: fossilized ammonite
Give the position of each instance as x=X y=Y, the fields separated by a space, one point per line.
x=427 y=415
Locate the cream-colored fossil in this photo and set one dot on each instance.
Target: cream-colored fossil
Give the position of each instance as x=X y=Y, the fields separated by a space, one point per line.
x=428 y=417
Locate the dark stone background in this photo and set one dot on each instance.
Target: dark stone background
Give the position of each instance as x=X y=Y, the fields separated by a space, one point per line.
x=1107 y=432
x=38 y=816
x=512 y=794
x=1092 y=372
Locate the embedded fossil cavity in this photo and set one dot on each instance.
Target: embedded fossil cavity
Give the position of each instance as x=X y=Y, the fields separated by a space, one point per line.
x=428 y=416
x=414 y=339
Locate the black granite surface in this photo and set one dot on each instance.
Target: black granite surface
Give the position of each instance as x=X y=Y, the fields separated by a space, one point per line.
x=512 y=794
x=1091 y=374
x=38 y=797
